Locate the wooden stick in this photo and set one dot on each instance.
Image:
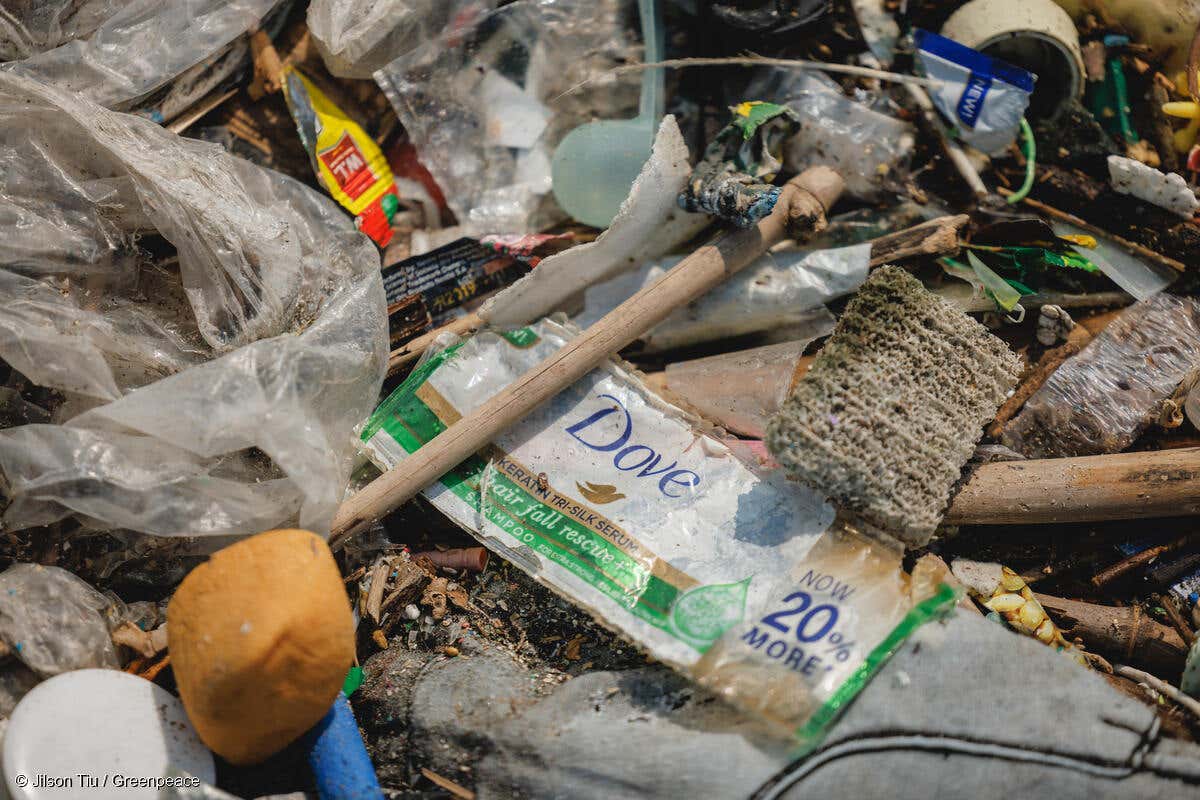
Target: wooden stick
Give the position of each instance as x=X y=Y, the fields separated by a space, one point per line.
x=801 y=205
x=410 y=351
x=1137 y=561
x=1050 y=361
x=937 y=237
x=1124 y=633
x=1085 y=489
x=1133 y=247
x=206 y=104
x=1174 y=616
x=1160 y=686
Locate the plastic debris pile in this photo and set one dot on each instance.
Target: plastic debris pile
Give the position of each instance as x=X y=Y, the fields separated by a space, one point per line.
x=423 y=399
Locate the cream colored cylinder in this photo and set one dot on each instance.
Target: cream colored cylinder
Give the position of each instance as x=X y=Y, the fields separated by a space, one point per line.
x=1037 y=35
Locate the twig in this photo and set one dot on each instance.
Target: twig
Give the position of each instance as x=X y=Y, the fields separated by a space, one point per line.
x=1160 y=686
x=759 y=61
x=1137 y=560
x=1050 y=361
x=267 y=66
x=1193 y=63
x=207 y=104
x=374 y=602
x=1176 y=619
x=459 y=791
x=937 y=237
x=1161 y=132
x=409 y=352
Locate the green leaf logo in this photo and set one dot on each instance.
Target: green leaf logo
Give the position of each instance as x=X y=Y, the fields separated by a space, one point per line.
x=704 y=613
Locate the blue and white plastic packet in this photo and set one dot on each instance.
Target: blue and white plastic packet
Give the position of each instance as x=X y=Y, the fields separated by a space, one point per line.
x=984 y=97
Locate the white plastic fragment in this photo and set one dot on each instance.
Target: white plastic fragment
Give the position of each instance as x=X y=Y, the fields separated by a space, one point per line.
x=981 y=577
x=102 y=733
x=1169 y=191
x=648 y=225
x=786 y=287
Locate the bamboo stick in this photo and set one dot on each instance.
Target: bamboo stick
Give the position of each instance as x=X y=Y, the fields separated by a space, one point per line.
x=1086 y=489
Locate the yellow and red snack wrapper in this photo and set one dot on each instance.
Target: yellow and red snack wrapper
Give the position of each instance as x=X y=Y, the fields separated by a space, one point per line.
x=347 y=161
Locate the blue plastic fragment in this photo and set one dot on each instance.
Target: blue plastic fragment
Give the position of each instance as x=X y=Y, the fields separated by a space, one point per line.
x=338 y=757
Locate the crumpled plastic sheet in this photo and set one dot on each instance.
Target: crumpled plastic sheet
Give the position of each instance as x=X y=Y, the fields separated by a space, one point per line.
x=357 y=37
x=786 y=287
x=486 y=103
x=862 y=144
x=1100 y=400
x=34 y=26
x=55 y=622
x=116 y=53
x=648 y=225
x=215 y=397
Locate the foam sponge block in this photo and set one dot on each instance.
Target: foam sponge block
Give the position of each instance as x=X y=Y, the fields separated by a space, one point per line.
x=261 y=636
x=893 y=405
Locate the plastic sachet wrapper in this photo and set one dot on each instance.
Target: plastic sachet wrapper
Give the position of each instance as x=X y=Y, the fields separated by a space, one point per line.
x=486 y=102
x=1101 y=399
x=785 y=288
x=357 y=37
x=212 y=396
x=346 y=160
x=982 y=96
x=131 y=49
x=623 y=504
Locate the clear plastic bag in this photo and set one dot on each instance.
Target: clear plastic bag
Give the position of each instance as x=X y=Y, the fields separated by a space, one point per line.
x=357 y=37
x=34 y=26
x=131 y=48
x=861 y=144
x=53 y=621
x=215 y=397
x=786 y=287
x=486 y=103
x=1101 y=399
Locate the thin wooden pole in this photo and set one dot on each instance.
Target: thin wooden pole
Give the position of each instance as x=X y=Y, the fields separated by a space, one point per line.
x=801 y=205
